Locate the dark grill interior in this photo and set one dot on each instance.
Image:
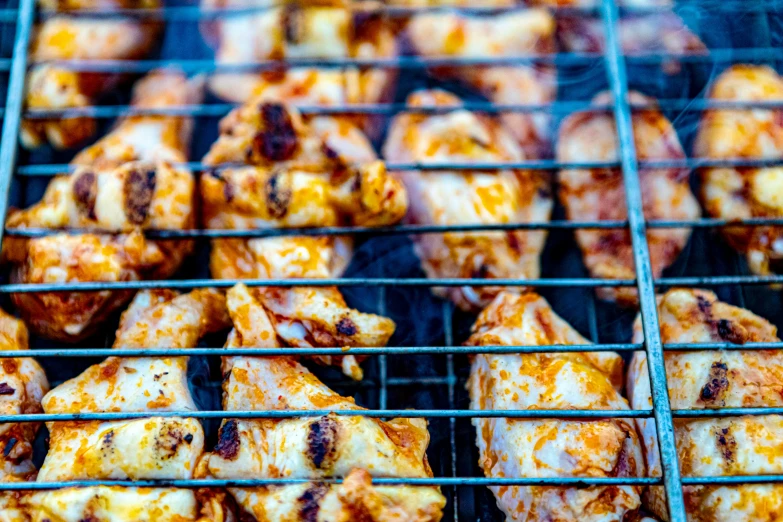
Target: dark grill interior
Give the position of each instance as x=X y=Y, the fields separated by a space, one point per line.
x=384 y=276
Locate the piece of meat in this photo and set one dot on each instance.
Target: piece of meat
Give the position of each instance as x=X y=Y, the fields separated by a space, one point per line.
x=520 y=448
x=468 y=197
x=64 y=37
x=319 y=172
x=599 y=194
x=744 y=192
x=710 y=379
x=325 y=30
x=130 y=180
x=356 y=448
x=514 y=34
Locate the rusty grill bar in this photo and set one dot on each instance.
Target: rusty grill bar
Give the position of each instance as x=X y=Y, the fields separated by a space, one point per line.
x=16 y=67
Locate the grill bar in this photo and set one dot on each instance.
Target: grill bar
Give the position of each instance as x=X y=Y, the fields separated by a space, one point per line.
x=14 y=102
x=390 y=109
x=687 y=163
x=664 y=424
x=448 y=331
x=410 y=62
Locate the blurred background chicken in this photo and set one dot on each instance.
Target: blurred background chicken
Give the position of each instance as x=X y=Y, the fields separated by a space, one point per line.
x=467 y=197
x=515 y=34
x=743 y=192
x=316 y=173
x=137 y=449
x=61 y=36
x=130 y=180
x=22 y=385
x=714 y=379
x=522 y=448
x=357 y=448
x=327 y=29
x=599 y=194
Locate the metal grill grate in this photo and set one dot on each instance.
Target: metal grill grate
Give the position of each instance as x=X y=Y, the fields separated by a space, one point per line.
x=434 y=388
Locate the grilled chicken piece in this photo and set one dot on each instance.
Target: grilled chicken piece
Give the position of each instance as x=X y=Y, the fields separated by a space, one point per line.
x=22 y=385
x=120 y=504
x=513 y=34
x=311 y=448
x=515 y=448
x=743 y=193
x=64 y=37
x=468 y=197
x=321 y=172
x=139 y=449
x=125 y=183
x=329 y=30
x=599 y=194
x=715 y=379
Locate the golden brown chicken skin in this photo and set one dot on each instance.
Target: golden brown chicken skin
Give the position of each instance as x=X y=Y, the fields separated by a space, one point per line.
x=599 y=194
x=129 y=181
x=306 y=30
x=715 y=379
x=745 y=192
x=135 y=449
x=64 y=37
x=467 y=197
x=519 y=448
x=356 y=448
x=517 y=33
x=320 y=172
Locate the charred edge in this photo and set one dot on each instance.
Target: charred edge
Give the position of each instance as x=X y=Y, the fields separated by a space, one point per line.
x=481 y=272
x=293 y=26
x=89 y=518
x=367 y=25
x=277 y=140
x=513 y=242
x=228 y=441
x=623 y=468
x=139 y=188
x=244 y=516
x=5 y=389
x=726 y=443
x=278 y=196
x=85 y=191
x=321 y=440
x=731 y=332
x=108 y=438
x=717 y=384
x=228 y=191
x=310 y=501
x=9 y=446
x=169 y=441
x=329 y=152
x=705 y=307
x=346 y=326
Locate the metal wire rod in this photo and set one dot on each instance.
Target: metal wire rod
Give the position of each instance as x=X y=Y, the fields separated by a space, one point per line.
x=14 y=102
x=50 y=169
x=92 y=286
x=379 y=481
x=289 y=414
x=390 y=109
x=383 y=350
x=618 y=81
x=398 y=229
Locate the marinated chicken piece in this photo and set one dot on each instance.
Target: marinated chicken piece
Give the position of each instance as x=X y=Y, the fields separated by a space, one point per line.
x=516 y=448
x=321 y=172
x=127 y=182
x=744 y=193
x=138 y=449
x=513 y=34
x=64 y=37
x=711 y=379
x=468 y=197
x=155 y=319
x=356 y=448
x=599 y=194
x=119 y=504
x=328 y=30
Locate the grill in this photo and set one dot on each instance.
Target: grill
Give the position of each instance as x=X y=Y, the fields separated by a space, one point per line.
x=430 y=332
